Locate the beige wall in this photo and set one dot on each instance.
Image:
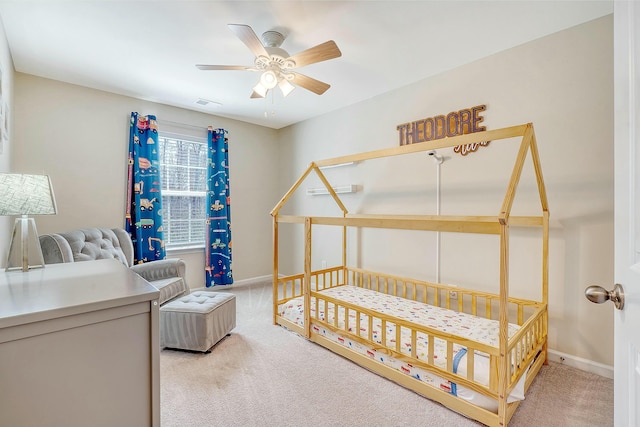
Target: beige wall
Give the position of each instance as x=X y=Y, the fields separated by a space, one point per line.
x=6 y=65
x=562 y=83
x=79 y=136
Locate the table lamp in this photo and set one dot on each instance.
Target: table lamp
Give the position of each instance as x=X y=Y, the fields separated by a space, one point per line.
x=22 y=194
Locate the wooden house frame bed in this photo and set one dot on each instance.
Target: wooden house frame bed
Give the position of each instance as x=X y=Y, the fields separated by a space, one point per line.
x=516 y=357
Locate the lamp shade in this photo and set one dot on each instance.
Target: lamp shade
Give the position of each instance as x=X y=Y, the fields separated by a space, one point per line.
x=285 y=87
x=23 y=194
x=260 y=91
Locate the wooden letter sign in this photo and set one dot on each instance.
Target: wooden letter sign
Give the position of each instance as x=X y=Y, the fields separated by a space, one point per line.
x=455 y=123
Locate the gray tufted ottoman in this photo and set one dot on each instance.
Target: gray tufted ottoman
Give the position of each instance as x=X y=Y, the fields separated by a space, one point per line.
x=197 y=321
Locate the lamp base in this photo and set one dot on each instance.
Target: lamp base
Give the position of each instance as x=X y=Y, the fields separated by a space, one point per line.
x=25 y=251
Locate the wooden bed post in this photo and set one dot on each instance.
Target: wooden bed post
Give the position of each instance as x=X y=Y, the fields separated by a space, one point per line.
x=275 y=269
x=335 y=197
x=503 y=367
x=535 y=157
x=307 y=277
x=545 y=280
x=344 y=255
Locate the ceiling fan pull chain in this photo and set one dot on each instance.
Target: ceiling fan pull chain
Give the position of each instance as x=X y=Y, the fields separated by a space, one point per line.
x=266 y=107
x=273 y=103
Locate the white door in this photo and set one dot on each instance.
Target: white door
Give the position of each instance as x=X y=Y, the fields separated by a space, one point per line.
x=627 y=211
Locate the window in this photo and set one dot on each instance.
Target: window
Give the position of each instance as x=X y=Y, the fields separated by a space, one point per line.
x=183 y=172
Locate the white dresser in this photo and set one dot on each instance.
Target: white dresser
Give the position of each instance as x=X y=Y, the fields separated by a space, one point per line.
x=79 y=346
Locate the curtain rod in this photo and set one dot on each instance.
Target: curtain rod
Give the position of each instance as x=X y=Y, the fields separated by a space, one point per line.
x=181 y=124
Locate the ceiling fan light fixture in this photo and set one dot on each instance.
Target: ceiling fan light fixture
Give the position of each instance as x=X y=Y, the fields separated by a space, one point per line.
x=285 y=87
x=269 y=79
x=276 y=64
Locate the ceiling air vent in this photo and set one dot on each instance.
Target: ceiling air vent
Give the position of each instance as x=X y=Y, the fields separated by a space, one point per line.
x=205 y=102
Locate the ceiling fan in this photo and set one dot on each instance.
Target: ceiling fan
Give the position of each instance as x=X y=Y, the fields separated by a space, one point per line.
x=276 y=64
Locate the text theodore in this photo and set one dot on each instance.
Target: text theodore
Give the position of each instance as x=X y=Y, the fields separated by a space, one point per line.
x=455 y=123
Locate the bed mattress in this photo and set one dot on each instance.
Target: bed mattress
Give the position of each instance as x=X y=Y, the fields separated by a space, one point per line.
x=464 y=325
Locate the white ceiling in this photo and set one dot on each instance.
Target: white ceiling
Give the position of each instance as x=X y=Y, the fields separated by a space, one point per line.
x=148 y=49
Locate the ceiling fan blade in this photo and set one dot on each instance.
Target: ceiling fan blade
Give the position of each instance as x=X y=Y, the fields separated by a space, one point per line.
x=224 y=67
x=249 y=38
x=306 y=82
x=255 y=94
x=322 y=52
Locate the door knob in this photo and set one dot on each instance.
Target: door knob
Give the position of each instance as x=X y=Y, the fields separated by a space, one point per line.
x=598 y=294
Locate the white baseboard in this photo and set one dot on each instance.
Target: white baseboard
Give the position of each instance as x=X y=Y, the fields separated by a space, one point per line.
x=580 y=363
x=254 y=280
x=237 y=283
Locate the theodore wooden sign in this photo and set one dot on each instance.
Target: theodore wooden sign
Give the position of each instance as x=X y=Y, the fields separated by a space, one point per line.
x=455 y=123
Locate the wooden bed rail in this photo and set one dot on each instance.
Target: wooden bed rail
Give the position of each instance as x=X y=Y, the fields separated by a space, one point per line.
x=525 y=344
x=292 y=286
x=391 y=345
x=467 y=301
x=450 y=223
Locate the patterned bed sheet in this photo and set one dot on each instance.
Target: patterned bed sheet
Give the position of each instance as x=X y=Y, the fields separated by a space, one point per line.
x=479 y=329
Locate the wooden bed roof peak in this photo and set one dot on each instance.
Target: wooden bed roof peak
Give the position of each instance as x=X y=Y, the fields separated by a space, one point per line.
x=443 y=223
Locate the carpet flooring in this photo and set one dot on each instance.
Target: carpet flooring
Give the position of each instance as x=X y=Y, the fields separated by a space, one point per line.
x=265 y=375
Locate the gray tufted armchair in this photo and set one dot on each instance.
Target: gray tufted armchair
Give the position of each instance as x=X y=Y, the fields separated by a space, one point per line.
x=167 y=275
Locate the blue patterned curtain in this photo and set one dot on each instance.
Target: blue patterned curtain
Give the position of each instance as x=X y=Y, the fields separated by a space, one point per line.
x=218 y=232
x=143 y=218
